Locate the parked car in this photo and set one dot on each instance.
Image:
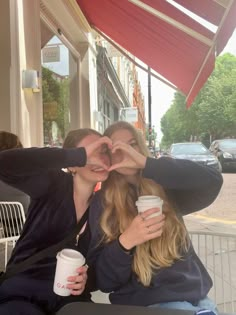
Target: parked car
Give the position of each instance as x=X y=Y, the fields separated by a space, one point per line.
x=225 y=151
x=195 y=151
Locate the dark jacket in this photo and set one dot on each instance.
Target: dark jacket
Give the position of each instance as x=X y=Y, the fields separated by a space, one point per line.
x=51 y=216
x=191 y=187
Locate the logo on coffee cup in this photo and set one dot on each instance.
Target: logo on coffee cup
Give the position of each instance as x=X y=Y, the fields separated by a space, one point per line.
x=61 y=286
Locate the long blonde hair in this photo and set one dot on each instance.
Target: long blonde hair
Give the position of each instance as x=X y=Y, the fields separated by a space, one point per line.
x=119 y=210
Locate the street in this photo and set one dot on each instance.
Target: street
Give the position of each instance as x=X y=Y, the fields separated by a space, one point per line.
x=218 y=253
x=220 y=216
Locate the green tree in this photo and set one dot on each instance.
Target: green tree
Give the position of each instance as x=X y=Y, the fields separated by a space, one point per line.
x=58 y=93
x=217 y=99
x=213 y=113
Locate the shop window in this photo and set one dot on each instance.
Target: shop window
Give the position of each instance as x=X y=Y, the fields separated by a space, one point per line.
x=57 y=87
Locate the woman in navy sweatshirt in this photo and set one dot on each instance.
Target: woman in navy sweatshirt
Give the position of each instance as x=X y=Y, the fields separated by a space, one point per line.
x=150 y=261
x=58 y=201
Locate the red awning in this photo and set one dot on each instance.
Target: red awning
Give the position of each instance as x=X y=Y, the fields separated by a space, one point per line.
x=166 y=39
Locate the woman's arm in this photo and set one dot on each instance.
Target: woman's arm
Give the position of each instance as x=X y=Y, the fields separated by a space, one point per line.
x=35 y=160
x=113 y=267
x=191 y=186
x=111 y=263
x=114 y=261
x=31 y=170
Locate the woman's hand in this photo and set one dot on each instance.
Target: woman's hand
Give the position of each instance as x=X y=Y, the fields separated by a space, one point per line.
x=95 y=151
x=79 y=281
x=130 y=158
x=142 y=229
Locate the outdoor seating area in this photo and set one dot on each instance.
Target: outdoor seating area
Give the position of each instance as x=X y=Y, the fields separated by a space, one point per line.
x=217 y=251
x=100 y=211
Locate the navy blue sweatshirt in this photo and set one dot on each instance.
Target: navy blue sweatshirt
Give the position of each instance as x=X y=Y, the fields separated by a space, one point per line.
x=191 y=187
x=51 y=215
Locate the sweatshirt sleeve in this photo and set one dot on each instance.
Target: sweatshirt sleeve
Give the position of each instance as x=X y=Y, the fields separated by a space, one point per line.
x=111 y=263
x=29 y=169
x=113 y=267
x=189 y=185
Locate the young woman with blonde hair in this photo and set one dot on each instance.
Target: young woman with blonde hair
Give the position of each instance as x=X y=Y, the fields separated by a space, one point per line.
x=150 y=261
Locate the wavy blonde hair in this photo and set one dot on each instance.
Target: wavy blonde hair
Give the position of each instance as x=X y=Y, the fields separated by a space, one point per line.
x=119 y=210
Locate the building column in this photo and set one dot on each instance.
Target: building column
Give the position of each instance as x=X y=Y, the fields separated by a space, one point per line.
x=5 y=60
x=21 y=110
x=29 y=34
x=87 y=86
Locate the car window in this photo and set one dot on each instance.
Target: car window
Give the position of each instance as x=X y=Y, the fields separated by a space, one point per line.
x=228 y=144
x=195 y=148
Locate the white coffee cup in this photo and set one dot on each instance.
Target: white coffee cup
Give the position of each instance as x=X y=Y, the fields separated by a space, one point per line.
x=68 y=261
x=147 y=202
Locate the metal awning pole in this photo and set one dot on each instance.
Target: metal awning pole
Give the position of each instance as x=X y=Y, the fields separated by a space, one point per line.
x=149 y=108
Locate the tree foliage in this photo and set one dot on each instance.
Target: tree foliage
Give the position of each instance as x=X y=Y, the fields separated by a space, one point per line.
x=213 y=113
x=56 y=94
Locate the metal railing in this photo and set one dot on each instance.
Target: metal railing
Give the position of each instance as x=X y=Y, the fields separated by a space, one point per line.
x=12 y=218
x=217 y=252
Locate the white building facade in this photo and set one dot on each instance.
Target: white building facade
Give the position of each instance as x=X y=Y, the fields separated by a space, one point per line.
x=28 y=26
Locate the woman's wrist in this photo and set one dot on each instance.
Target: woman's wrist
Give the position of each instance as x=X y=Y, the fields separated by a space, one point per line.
x=129 y=249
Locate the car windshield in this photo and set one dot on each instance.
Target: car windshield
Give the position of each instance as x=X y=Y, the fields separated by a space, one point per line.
x=195 y=148
x=228 y=144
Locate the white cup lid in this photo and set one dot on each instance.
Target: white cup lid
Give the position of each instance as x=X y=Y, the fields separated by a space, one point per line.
x=71 y=255
x=154 y=204
x=148 y=197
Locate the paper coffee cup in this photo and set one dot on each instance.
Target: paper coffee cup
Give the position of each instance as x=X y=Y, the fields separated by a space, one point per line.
x=68 y=260
x=147 y=202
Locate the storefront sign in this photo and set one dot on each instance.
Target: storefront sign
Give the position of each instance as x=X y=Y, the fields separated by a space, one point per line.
x=131 y=114
x=51 y=54
x=50 y=110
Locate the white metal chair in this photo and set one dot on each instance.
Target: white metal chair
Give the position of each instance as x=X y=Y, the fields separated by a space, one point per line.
x=12 y=219
x=217 y=252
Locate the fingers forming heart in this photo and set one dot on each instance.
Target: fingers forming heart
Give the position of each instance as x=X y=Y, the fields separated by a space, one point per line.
x=129 y=157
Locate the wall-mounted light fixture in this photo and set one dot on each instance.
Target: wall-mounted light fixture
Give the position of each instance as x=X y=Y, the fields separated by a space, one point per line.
x=98 y=116
x=30 y=80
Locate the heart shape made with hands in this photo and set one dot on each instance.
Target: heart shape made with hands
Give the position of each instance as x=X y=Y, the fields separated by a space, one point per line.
x=127 y=155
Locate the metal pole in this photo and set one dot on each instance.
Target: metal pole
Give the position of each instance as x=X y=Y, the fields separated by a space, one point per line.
x=149 y=107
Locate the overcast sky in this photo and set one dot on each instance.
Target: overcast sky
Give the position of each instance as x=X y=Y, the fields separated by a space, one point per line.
x=162 y=95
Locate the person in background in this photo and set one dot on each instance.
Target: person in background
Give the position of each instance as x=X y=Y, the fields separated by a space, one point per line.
x=9 y=141
x=58 y=201
x=147 y=261
x=157 y=154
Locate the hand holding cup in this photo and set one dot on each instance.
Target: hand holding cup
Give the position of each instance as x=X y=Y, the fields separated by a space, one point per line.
x=143 y=228
x=77 y=283
x=69 y=263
